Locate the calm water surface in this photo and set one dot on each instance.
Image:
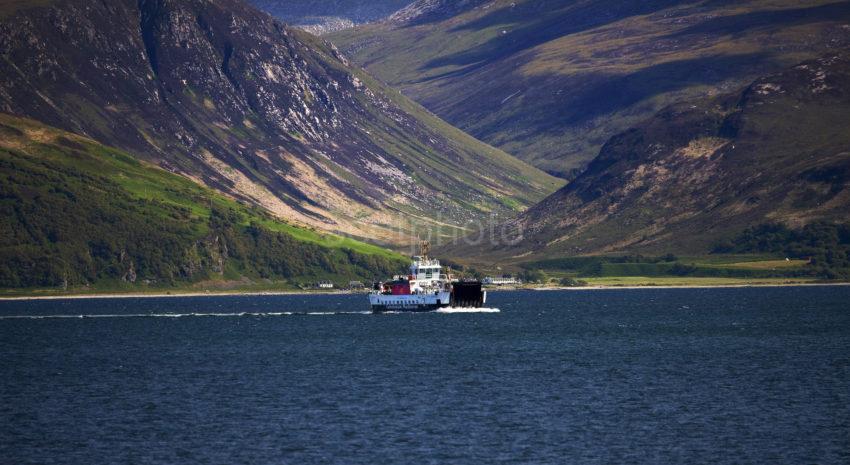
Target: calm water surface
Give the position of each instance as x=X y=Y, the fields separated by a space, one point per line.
x=625 y=376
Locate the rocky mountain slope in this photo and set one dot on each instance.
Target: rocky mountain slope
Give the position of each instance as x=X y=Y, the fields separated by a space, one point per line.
x=324 y=16
x=551 y=81
x=221 y=93
x=77 y=214
x=425 y=11
x=703 y=171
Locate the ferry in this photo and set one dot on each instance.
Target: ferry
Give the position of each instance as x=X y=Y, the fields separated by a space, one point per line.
x=426 y=288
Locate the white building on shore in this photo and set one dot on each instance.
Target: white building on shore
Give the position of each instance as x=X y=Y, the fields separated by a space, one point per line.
x=501 y=281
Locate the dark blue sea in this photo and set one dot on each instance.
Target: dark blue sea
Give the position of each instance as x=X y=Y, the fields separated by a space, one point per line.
x=648 y=376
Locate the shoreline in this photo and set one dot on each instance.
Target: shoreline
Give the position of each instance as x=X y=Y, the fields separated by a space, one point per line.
x=687 y=286
x=183 y=294
x=179 y=294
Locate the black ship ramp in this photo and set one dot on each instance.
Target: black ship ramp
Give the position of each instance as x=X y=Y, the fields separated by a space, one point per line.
x=467 y=295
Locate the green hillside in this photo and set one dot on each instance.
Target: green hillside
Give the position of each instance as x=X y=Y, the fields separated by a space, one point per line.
x=78 y=214
x=551 y=81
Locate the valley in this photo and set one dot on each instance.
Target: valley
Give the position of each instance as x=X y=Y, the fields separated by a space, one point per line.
x=270 y=158
x=551 y=81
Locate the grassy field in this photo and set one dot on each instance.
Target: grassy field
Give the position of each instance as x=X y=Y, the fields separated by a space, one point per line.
x=767 y=265
x=709 y=270
x=675 y=281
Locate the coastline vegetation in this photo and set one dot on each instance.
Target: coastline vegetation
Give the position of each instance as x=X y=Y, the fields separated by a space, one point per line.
x=824 y=246
x=763 y=254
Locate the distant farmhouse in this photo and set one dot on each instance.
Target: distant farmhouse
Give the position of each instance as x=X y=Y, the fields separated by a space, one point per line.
x=325 y=285
x=501 y=281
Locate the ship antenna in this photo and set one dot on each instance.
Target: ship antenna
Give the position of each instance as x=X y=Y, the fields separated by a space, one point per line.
x=424 y=249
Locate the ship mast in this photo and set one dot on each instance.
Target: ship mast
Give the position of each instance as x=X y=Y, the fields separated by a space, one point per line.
x=424 y=249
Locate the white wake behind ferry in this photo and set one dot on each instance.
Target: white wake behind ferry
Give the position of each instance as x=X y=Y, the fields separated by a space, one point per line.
x=425 y=288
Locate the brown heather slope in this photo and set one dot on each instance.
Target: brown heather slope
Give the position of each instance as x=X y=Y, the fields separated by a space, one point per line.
x=703 y=171
x=550 y=81
x=220 y=92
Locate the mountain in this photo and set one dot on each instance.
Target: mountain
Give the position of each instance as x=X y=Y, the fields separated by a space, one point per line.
x=221 y=93
x=701 y=172
x=324 y=16
x=550 y=81
x=79 y=214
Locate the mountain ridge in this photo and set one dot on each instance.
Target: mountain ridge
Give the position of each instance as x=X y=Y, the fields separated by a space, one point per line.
x=221 y=93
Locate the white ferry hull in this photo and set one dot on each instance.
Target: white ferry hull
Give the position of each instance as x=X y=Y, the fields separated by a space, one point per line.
x=409 y=303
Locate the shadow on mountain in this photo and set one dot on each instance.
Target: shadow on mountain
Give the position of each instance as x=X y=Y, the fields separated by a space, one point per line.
x=610 y=94
x=591 y=96
x=557 y=18
x=724 y=25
